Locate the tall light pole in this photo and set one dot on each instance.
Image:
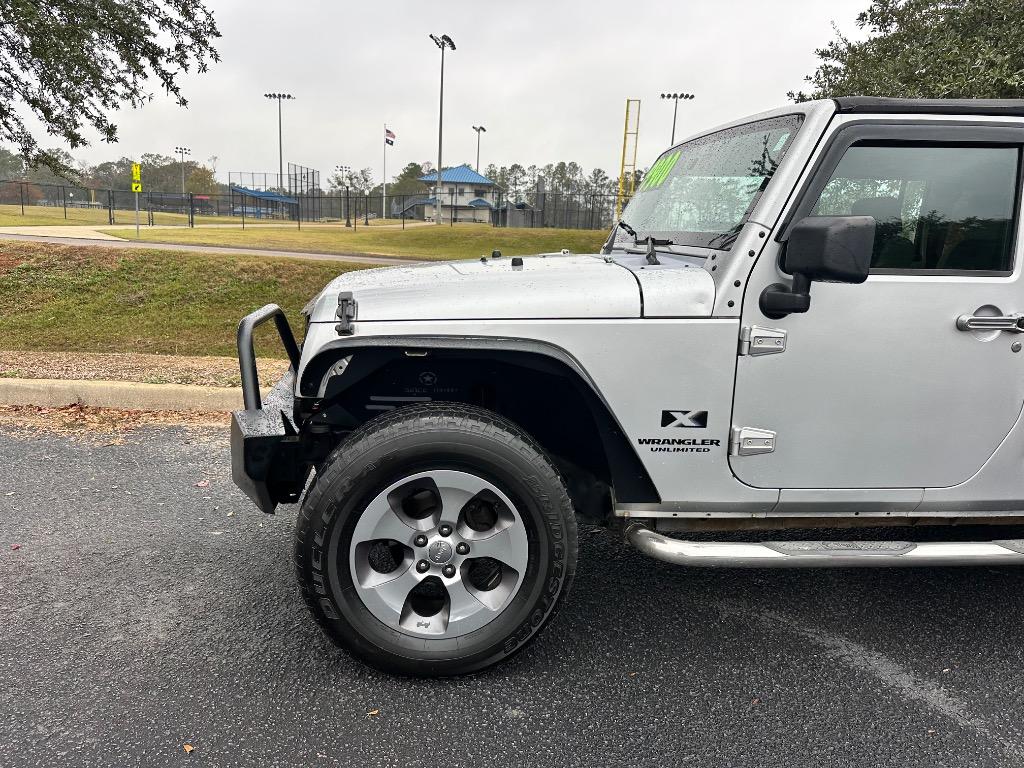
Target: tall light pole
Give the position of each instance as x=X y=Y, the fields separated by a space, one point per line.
x=676 y=97
x=479 y=129
x=441 y=42
x=279 y=97
x=346 y=175
x=182 y=151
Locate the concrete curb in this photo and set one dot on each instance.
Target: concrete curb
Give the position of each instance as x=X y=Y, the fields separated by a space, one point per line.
x=129 y=395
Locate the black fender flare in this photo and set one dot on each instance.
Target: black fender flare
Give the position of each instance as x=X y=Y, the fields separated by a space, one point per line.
x=630 y=478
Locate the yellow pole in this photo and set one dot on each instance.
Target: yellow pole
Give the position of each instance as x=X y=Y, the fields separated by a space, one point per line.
x=636 y=144
x=622 y=166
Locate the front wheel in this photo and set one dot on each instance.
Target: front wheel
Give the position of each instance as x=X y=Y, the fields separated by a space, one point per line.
x=436 y=540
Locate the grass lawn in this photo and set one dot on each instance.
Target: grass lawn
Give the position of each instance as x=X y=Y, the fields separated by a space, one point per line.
x=10 y=216
x=422 y=242
x=95 y=299
x=45 y=215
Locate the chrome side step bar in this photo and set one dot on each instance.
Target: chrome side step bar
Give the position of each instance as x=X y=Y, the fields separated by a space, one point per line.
x=818 y=554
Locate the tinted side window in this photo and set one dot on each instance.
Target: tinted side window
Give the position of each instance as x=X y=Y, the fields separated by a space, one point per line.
x=936 y=207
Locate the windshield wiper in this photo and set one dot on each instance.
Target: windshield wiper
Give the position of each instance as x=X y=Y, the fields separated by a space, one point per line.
x=632 y=232
x=652 y=244
x=607 y=247
x=650 y=241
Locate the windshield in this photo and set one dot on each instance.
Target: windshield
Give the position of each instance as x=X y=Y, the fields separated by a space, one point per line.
x=700 y=193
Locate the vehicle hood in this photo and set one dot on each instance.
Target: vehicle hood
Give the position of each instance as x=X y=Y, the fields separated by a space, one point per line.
x=544 y=286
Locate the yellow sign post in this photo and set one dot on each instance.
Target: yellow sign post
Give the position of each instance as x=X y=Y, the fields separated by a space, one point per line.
x=136 y=188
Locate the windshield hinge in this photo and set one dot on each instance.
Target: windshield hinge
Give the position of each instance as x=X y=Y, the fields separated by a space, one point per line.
x=751 y=441
x=756 y=340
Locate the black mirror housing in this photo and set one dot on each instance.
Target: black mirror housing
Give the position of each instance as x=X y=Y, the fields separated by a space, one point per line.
x=827 y=249
x=831 y=249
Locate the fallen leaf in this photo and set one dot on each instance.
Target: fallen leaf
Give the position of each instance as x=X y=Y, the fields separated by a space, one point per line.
x=15 y=547
x=188 y=748
x=231 y=513
x=373 y=713
x=202 y=483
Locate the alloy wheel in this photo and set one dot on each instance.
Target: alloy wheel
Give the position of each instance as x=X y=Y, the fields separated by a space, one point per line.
x=438 y=554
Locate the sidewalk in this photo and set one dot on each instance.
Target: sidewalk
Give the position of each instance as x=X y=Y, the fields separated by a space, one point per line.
x=77 y=232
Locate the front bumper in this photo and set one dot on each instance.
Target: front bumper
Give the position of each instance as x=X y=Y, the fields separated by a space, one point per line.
x=267 y=458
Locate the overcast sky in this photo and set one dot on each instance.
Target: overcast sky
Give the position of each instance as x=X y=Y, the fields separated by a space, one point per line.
x=547 y=79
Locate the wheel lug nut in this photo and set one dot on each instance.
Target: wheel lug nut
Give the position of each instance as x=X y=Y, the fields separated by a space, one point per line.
x=462 y=548
x=445 y=530
x=449 y=570
x=420 y=541
x=422 y=566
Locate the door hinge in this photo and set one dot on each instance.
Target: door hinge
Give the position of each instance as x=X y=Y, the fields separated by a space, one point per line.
x=750 y=441
x=755 y=340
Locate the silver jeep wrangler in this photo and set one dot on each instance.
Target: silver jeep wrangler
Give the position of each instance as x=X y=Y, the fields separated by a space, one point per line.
x=806 y=318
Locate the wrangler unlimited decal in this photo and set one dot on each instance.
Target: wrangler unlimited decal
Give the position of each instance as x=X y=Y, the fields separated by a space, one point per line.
x=678 y=444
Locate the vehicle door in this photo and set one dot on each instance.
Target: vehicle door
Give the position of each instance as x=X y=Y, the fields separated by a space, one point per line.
x=905 y=380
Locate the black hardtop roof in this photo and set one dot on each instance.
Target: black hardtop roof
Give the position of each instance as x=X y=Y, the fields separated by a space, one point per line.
x=875 y=104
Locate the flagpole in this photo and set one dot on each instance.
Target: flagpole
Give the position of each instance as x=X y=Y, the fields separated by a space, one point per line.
x=384 y=204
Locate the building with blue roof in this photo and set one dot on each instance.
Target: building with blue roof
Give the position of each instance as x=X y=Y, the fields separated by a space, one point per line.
x=465 y=195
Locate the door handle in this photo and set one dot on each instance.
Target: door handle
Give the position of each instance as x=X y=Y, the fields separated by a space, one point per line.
x=1013 y=323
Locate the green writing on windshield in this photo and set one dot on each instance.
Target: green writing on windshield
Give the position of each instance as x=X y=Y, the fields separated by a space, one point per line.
x=660 y=171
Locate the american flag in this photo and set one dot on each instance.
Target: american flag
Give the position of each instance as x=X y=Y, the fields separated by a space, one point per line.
x=389 y=136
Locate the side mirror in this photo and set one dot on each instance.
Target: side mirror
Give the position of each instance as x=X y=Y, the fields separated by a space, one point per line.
x=827 y=249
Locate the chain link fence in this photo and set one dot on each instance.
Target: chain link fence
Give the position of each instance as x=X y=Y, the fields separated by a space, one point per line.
x=41 y=204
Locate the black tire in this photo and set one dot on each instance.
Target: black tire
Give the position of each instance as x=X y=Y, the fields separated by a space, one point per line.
x=422 y=438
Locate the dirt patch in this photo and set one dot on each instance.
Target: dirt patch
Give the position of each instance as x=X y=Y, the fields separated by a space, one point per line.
x=151 y=369
x=9 y=260
x=65 y=258
x=107 y=426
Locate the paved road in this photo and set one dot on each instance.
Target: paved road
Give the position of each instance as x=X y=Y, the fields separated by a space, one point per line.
x=138 y=616
x=357 y=258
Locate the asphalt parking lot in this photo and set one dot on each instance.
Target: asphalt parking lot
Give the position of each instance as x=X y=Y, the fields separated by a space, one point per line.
x=144 y=609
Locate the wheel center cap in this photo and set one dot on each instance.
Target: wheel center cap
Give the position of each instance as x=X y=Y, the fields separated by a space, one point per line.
x=440 y=552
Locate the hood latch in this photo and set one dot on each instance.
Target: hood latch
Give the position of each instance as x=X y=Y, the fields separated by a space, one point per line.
x=347 y=308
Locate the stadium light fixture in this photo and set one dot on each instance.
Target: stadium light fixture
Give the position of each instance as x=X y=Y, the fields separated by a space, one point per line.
x=279 y=97
x=441 y=42
x=676 y=98
x=479 y=129
x=346 y=175
x=182 y=151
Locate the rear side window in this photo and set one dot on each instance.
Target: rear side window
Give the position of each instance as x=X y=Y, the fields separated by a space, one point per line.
x=937 y=208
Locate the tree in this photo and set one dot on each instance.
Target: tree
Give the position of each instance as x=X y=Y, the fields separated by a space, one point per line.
x=46 y=175
x=408 y=181
x=11 y=165
x=358 y=182
x=926 y=49
x=202 y=181
x=515 y=179
x=69 y=63
x=598 y=182
x=112 y=174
